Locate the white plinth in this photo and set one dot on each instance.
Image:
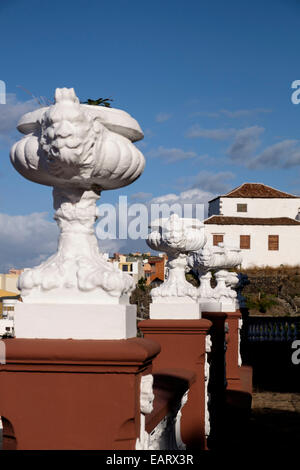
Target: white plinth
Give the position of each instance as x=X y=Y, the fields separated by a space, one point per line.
x=169 y=311
x=66 y=321
x=214 y=306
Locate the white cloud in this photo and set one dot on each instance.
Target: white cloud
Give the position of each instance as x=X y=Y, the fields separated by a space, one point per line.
x=141 y=144
x=212 y=114
x=111 y=246
x=244 y=112
x=162 y=117
x=284 y=154
x=215 y=134
x=26 y=240
x=216 y=183
x=148 y=133
x=245 y=143
x=10 y=114
x=166 y=198
x=232 y=114
x=171 y=155
x=155 y=207
x=194 y=196
x=141 y=196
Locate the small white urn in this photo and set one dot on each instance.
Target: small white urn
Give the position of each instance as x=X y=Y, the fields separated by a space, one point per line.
x=199 y=262
x=79 y=150
x=219 y=259
x=176 y=297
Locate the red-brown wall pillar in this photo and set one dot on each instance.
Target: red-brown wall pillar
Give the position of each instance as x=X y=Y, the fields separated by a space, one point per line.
x=183 y=347
x=73 y=394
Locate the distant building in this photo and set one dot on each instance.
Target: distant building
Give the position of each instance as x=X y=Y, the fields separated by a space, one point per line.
x=9 y=281
x=8 y=287
x=142 y=265
x=130 y=264
x=154 y=269
x=7 y=300
x=262 y=221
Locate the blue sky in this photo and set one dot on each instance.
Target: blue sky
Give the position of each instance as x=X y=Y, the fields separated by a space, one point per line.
x=208 y=81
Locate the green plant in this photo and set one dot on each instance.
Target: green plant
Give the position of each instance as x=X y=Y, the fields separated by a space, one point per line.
x=262 y=302
x=192 y=279
x=142 y=283
x=99 y=102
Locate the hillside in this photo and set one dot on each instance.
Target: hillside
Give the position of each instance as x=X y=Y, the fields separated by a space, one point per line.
x=273 y=291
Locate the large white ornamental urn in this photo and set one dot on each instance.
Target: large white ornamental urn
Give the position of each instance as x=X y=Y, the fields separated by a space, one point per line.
x=79 y=150
x=176 y=298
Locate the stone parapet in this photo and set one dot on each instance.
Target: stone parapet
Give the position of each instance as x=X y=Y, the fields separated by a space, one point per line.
x=73 y=394
x=183 y=345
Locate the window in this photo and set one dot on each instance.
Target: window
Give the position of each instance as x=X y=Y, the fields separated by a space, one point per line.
x=245 y=242
x=125 y=267
x=273 y=242
x=217 y=238
x=241 y=207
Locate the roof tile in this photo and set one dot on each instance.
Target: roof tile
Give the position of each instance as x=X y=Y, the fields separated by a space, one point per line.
x=224 y=220
x=257 y=190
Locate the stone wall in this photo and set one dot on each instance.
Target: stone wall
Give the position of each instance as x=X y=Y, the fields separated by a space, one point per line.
x=280 y=287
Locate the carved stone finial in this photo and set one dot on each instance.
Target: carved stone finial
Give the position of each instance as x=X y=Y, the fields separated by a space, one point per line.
x=176 y=236
x=218 y=258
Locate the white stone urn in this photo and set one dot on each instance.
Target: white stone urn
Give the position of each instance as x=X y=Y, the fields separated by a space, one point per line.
x=199 y=262
x=79 y=150
x=218 y=258
x=177 y=237
x=230 y=257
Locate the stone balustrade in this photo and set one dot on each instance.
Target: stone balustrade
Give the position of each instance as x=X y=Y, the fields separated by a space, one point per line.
x=75 y=376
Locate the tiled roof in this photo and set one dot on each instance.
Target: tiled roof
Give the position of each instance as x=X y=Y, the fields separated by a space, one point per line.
x=155 y=259
x=224 y=220
x=257 y=190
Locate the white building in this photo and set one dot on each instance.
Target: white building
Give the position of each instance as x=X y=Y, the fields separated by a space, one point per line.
x=9 y=282
x=132 y=265
x=262 y=221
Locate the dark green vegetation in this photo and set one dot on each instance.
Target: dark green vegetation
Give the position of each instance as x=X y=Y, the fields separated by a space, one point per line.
x=99 y=102
x=275 y=291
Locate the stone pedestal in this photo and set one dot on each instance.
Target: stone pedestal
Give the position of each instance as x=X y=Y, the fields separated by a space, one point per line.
x=217 y=306
x=175 y=311
x=70 y=321
x=73 y=394
x=183 y=346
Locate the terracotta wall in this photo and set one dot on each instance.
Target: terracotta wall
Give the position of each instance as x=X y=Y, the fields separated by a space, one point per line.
x=68 y=394
x=183 y=348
